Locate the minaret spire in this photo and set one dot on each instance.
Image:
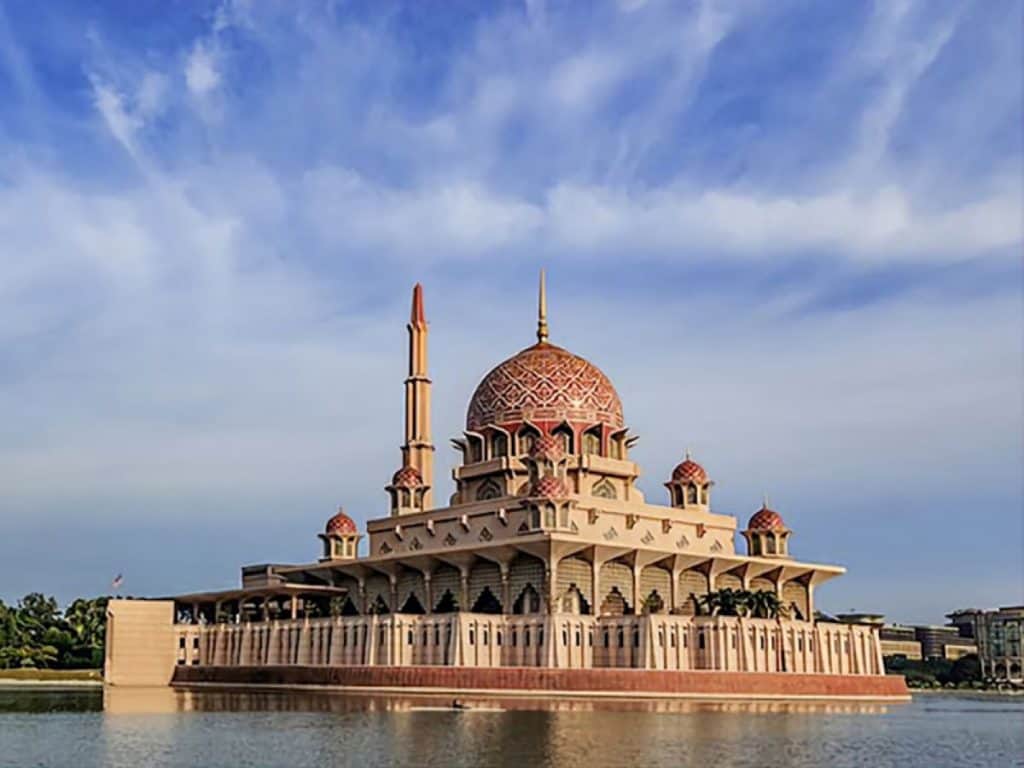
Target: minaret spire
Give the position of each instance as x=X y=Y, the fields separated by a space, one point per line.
x=418 y=451
x=542 y=310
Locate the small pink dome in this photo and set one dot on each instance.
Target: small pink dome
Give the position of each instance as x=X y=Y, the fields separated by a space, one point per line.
x=689 y=472
x=766 y=520
x=341 y=524
x=407 y=477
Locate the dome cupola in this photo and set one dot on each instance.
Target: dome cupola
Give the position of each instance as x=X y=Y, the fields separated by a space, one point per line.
x=340 y=537
x=690 y=487
x=767 y=534
x=407 y=491
x=544 y=385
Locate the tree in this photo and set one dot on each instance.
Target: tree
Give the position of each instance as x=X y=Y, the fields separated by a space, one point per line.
x=966 y=669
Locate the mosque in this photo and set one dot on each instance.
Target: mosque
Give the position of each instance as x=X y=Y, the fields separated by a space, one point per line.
x=546 y=569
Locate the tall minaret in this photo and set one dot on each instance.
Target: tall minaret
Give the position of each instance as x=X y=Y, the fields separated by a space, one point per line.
x=418 y=451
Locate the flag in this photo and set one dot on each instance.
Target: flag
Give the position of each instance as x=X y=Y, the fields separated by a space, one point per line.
x=117 y=582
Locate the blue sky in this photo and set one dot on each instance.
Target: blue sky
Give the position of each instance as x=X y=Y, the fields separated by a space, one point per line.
x=790 y=233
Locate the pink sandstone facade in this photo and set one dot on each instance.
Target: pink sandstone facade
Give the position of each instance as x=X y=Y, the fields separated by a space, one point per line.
x=547 y=570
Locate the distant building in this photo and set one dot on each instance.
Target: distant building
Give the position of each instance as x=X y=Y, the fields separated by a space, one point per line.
x=997 y=636
x=900 y=641
x=897 y=641
x=941 y=642
x=916 y=642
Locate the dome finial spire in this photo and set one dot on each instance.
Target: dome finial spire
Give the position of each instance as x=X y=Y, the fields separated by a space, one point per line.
x=542 y=310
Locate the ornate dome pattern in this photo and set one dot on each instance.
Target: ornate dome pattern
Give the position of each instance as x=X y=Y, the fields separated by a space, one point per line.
x=689 y=471
x=341 y=524
x=545 y=383
x=407 y=477
x=550 y=487
x=766 y=520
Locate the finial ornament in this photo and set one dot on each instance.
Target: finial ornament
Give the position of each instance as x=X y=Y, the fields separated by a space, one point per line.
x=417 y=316
x=764 y=501
x=688 y=457
x=542 y=310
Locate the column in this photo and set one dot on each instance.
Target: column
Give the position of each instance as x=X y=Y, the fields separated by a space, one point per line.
x=637 y=602
x=506 y=595
x=464 y=588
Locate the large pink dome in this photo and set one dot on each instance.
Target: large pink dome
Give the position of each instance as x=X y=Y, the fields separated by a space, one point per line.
x=545 y=383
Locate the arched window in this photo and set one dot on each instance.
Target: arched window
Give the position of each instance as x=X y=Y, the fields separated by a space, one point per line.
x=755 y=545
x=527 y=437
x=527 y=602
x=770 y=543
x=447 y=603
x=489 y=490
x=618 y=452
x=691 y=493
x=604 y=489
x=486 y=603
x=704 y=494
x=476 y=449
x=564 y=435
x=412 y=605
x=499 y=445
x=592 y=443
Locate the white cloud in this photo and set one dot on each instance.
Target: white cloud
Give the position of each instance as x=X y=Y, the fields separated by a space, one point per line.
x=228 y=324
x=882 y=226
x=202 y=74
x=582 y=80
x=120 y=121
x=438 y=222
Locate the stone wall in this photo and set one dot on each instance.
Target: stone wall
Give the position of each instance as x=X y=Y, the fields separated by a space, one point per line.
x=622 y=683
x=561 y=640
x=141 y=640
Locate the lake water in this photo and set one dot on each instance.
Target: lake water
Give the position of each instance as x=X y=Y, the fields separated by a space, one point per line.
x=160 y=727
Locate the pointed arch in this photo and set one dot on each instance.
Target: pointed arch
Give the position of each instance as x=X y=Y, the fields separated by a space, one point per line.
x=566 y=435
x=525 y=438
x=603 y=489
x=691 y=493
x=499 y=444
x=474 y=448
x=591 y=442
x=447 y=603
x=348 y=608
x=572 y=601
x=489 y=489
x=528 y=600
x=486 y=603
x=412 y=605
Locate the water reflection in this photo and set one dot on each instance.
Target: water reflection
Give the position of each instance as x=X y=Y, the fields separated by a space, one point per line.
x=167 y=728
x=168 y=700
x=50 y=700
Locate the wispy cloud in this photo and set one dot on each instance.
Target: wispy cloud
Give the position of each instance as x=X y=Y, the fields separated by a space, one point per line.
x=807 y=223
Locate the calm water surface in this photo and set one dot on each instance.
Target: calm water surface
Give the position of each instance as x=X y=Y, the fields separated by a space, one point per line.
x=160 y=728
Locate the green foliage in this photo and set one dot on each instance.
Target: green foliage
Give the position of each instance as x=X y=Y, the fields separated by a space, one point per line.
x=966 y=669
x=934 y=673
x=760 y=604
x=36 y=635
